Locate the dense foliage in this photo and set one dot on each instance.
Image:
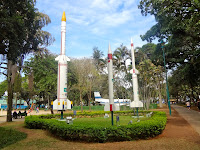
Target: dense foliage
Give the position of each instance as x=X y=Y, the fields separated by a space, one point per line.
x=3 y=87
x=21 y=33
x=92 y=133
x=44 y=70
x=178 y=24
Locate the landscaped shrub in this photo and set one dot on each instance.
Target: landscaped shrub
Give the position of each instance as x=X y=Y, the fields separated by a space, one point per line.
x=139 y=130
x=10 y=136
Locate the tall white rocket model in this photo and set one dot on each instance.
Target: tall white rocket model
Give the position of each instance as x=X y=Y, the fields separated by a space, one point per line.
x=111 y=106
x=136 y=102
x=110 y=77
x=62 y=103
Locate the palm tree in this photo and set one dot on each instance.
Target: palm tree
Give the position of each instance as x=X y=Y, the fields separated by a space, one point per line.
x=120 y=55
x=100 y=63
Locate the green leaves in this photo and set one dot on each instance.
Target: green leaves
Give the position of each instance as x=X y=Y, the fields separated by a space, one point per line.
x=44 y=69
x=177 y=23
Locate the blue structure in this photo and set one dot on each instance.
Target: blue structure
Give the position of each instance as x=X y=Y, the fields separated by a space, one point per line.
x=3 y=103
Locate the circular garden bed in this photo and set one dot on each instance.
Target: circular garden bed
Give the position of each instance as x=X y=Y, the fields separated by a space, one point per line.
x=93 y=127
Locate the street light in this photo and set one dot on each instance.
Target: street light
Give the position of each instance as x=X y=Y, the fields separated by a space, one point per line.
x=167 y=89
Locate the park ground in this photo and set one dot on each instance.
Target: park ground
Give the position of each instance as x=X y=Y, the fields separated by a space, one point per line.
x=178 y=135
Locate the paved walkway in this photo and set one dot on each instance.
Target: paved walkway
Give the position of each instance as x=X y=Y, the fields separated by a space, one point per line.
x=4 y=113
x=191 y=116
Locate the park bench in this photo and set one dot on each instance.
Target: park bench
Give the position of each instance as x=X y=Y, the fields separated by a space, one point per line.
x=16 y=115
x=22 y=114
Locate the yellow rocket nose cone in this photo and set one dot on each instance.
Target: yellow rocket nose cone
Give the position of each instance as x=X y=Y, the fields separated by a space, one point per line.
x=63 y=17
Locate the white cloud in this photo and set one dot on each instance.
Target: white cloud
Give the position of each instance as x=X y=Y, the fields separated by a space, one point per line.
x=100 y=4
x=96 y=22
x=116 y=19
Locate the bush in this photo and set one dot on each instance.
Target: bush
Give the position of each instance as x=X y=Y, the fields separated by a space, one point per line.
x=139 y=130
x=10 y=136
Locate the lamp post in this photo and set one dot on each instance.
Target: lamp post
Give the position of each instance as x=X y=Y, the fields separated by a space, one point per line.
x=167 y=89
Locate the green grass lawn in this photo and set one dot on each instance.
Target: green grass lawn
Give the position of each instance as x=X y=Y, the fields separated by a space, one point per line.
x=9 y=136
x=105 y=122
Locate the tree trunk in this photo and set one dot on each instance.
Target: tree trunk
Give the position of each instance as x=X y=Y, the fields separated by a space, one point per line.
x=147 y=98
x=160 y=97
x=81 y=99
x=49 y=104
x=10 y=79
x=9 y=102
x=90 y=98
x=16 y=101
x=20 y=103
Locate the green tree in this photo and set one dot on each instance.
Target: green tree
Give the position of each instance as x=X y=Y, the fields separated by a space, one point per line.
x=120 y=56
x=81 y=76
x=147 y=81
x=98 y=60
x=20 y=26
x=177 y=23
x=3 y=87
x=43 y=70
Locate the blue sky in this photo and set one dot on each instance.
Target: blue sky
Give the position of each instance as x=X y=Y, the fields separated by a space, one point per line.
x=95 y=23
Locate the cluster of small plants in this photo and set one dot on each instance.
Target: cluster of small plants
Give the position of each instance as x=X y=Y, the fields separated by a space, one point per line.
x=93 y=114
x=138 y=130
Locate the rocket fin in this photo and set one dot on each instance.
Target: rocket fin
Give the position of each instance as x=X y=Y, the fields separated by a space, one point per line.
x=62 y=58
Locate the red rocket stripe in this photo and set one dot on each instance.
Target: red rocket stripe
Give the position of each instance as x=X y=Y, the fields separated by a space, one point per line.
x=109 y=56
x=63 y=64
x=111 y=107
x=131 y=44
x=133 y=70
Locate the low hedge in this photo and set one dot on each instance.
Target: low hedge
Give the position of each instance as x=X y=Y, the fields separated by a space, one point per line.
x=140 y=130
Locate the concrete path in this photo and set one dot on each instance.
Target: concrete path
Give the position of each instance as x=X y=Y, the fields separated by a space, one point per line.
x=191 y=116
x=4 y=113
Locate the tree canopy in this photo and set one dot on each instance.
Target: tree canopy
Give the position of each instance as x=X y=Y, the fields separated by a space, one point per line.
x=179 y=25
x=21 y=33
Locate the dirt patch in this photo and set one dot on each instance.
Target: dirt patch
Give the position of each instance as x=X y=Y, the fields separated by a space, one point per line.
x=177 y=127
x=177 y=135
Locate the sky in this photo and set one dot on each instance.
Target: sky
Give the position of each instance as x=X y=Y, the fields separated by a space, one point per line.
x=93 y=23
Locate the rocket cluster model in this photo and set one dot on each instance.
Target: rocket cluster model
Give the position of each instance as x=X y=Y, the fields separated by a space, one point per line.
x=62 y=103
x=134 y=72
